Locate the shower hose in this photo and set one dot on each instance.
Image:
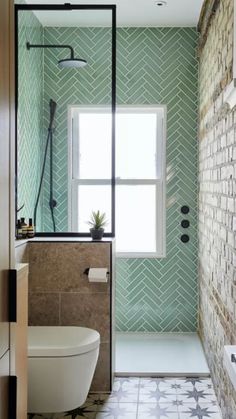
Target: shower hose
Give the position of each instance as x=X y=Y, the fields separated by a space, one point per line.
x=49 y=143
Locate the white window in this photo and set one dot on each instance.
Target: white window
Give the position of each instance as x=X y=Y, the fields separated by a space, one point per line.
x=140 y=175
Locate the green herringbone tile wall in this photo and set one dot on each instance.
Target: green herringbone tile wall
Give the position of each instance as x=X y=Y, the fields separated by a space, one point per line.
x=90 y=85
x=30 y=113
x=154 y=65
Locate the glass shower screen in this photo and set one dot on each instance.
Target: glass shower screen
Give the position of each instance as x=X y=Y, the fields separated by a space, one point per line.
x=65 y=59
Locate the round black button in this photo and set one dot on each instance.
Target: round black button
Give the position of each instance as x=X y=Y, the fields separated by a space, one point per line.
x=185 y=223
x=185 y=209
x=184 y=238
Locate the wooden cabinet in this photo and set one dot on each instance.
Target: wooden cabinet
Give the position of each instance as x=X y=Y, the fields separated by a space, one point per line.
x=4 y=384
x=18 y=339
x=6 y=127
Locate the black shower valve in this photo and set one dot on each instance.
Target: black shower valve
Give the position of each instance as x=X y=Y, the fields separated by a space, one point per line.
x=184 y=238
x=185 y=223
x=185 y=209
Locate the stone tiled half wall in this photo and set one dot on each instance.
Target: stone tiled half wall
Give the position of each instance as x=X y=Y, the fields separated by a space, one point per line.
x=217 y=204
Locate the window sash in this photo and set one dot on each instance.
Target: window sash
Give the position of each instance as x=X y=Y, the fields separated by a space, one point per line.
x=74 y=112
x=159 y=181
x=160 y=214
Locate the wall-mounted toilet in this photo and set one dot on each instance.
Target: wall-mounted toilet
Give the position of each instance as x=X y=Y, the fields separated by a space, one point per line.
x=61 y=365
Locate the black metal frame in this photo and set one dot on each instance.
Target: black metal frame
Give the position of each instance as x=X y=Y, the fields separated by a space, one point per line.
x=68 y=6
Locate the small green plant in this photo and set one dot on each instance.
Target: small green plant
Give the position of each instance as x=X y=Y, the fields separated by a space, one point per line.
x=97 y=220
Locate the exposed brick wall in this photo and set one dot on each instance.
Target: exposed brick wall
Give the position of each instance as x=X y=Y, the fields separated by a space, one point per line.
x=217 y=202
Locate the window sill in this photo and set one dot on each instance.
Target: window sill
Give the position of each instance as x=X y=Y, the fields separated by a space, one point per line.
x=133 y=255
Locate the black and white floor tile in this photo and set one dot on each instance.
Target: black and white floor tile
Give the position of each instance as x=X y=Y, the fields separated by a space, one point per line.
x=149 y=398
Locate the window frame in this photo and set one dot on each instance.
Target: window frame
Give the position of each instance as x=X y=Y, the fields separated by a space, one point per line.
x=159 y=181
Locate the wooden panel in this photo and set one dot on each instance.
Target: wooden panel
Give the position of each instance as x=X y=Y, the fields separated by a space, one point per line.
x=19 y=341
x=6 y=131
x=4 y=172
x=4 y=377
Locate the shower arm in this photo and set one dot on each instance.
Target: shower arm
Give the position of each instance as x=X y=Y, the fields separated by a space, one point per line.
x=28 y=46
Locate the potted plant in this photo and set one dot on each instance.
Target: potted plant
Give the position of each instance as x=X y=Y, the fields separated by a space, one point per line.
x=97 y=222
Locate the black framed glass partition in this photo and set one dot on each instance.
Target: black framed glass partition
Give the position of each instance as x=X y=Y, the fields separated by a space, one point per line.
x=65 y=116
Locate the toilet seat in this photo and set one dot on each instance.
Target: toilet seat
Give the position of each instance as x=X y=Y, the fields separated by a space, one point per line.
x=61 y=341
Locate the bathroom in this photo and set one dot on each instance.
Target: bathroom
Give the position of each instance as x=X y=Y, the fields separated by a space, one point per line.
x=97 y=88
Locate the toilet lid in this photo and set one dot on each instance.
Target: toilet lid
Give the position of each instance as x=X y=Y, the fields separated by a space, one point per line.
x=55 y=341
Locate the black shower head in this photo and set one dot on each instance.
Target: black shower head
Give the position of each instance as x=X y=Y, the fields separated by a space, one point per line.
x=71 y=62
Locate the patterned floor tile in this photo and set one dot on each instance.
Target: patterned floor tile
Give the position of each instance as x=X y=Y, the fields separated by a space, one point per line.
x=199 y=411
x=117 y=411
x=194 y=395
x=94 y=400
x=195 y=416
x=123 y=396
x=204 y=384
x=150 y=385
x=185 y=383
x=156 y=383
x=157 y=411
x=88 y=409
x=151 y=396
x=126 y=383
x=148 y=398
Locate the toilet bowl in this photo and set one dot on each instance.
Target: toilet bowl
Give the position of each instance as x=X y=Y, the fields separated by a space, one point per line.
x=61 y=365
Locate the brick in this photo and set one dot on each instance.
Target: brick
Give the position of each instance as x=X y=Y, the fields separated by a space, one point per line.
x=217 y=203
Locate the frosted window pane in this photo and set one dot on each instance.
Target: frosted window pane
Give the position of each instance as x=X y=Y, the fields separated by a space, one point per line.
x=136 y=145
x=93 y=198
x=94 y=146
x=136 y=218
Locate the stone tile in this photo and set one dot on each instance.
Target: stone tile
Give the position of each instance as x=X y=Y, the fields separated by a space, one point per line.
x=60 y=267
x=87 y=310
x=43 y=309
x=101 y=379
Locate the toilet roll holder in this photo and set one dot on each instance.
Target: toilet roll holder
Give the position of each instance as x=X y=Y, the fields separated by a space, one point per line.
x=86 y=271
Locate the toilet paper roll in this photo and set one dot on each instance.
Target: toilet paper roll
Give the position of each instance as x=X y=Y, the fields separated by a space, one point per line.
x=98 y=274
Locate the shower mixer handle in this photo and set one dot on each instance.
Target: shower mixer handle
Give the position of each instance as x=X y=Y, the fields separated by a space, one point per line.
x=52 y=203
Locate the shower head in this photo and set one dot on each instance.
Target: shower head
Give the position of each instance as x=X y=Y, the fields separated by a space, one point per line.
x=71 y=62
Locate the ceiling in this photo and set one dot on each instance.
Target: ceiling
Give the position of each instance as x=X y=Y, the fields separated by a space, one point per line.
x=140 y=13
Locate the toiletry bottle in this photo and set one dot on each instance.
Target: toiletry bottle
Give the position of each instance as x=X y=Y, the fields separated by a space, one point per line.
x=18 y=230
x=30 y=229
x=24 y=228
